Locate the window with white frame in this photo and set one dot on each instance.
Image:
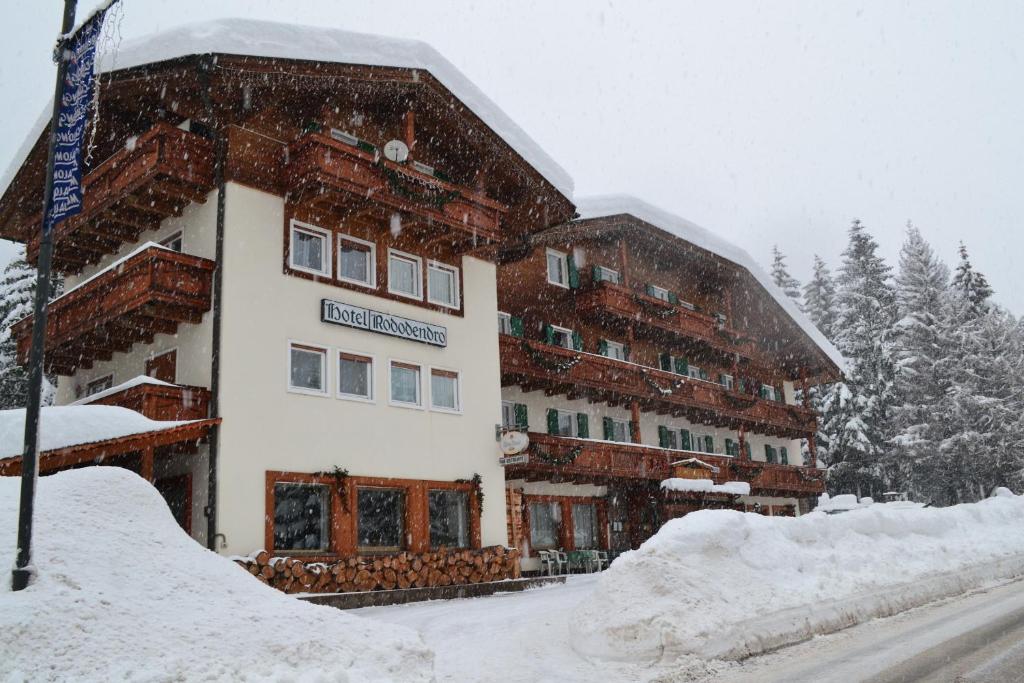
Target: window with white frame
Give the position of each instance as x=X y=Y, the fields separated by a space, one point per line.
x=508 y=415
x=727 y=381
x=307 y=369
x=561 y=336
x=355 y=376
x=405 y=384
x=697 y=442
x=97 y=385
x=558 y=268
x=658 y=292
x=443 y=284
x=172 y=242
x=357 y=261
x=614 y=350
x=694 y=372
x=603 y=274
x=404 y=274
x=444 y=390
x=567 y=423
x=504 y=323
x=309 y=249
x=671 y=439
x=619 y=430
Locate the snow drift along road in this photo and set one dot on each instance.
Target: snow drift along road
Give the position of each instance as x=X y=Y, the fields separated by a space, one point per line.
x=724 y=584
x=123 y=594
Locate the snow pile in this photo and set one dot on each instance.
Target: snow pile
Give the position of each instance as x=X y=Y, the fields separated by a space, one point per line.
x=136 y=381
x=123 y=594
x=734 y=488
x=724 y=584
x=63 y=426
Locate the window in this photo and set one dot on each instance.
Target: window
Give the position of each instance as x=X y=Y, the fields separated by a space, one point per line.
x=405 y=384
x=584 y=526
x=307 y=369
x=301 y=517
x=355 y=376
x=616 y=430
x=687 y=305
x=602 y=274
x=357 y=261
x=449 y=518
x=695 y=372
x=172 y=242
x=667 y=438
x=508 y=415
x=614 y=350
x=443 y=285
x=561 y=336
x=658 y=292
x=380 y=519
x=504 y=323
x=566 y=423
x=97 y=385
x=444 y=390
x=545 y=520
x=404 y=275
x=697 y=442
x=768 y=392
x=558 y=268
x=727 y=381
x=309 y=249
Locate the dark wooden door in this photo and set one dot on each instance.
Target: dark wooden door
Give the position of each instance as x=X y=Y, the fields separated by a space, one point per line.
x=177 y=491
x=163 y=367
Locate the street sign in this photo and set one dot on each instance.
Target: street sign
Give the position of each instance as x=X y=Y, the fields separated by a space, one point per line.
x=521 y=459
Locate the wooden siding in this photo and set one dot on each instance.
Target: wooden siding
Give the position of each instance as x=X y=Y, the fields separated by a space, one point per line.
x=161 y=402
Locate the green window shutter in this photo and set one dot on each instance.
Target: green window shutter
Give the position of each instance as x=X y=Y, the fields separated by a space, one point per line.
x=549 y=334
x=522 y=420
x=685 y=440
x=609 y=428
x=728 y=447
x=650 y=290
x=634 y=428
x=577 y=341
x=552 y=421
x=516 y=325
x=625 y=351
x=750 y=452
x=574 y=273
x=784 y=455
x=666 y=362
x=582 y=426
x=663 y=436
x=602 y=347
x=595 y=273
x=681 y=367
x=709 y=444
x=673 y=299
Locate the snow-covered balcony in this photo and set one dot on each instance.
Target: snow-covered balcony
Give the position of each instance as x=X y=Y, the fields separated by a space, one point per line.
x=610 y=301
x=155 y=399
x=153 y=177
x=148 y=292
x=772 y=479
x=330 y=174
x=535 y=365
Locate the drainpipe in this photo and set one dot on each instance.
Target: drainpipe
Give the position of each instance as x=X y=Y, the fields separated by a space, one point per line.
x=220 y=152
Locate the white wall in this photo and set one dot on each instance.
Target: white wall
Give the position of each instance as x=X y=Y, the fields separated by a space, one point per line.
x=267 y=428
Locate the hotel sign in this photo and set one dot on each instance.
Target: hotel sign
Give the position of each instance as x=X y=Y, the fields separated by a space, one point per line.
x=338 y=313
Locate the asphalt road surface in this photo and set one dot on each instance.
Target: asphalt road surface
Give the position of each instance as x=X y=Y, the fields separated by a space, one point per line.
x=971 y=639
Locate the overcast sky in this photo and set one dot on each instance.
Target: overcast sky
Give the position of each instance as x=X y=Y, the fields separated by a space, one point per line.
x=766 y=122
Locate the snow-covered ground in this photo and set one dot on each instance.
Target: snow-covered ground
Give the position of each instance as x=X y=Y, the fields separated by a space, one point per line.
x=124 y=595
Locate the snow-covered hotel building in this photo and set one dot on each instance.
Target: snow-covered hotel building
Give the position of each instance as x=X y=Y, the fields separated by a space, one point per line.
x=324 y=269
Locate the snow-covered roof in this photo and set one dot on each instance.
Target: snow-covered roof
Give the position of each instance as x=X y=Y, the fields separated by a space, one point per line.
x=133 y=382
x=250 y=37
x=733 y=488
x=618 y=204
x=64 y=426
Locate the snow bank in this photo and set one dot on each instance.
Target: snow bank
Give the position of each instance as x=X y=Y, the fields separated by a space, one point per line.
x=124 y=595
x=63 y=426
x=724 y=584
x=734 y=488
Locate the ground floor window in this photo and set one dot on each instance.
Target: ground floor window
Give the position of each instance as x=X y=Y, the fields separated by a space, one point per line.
x=381 y=519
x=545 y=520
x=449 y=518
x=301 y=516
x=584 y=526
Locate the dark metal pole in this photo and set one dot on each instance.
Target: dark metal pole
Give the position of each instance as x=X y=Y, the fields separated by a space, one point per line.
x=30 y=455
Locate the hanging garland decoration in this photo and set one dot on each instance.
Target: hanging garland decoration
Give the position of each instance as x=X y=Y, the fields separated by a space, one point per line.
x=674 y=385
x=340 y=476
x=567 y=459
x=542 y=361
x=403 y=188
x=653 y=309
x=477 y=482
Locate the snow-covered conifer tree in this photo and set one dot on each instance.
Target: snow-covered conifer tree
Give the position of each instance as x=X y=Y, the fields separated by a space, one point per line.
x=786 y=282
x=17 y=294
x=820 y=298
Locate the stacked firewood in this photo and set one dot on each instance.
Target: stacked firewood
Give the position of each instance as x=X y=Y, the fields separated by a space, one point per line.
x=384 y=572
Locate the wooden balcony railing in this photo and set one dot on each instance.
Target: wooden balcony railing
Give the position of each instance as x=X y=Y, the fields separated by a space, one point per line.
x=602 y=462
x=149 y=292
x=321 y=168
x=535 y=365
x=152 y=178
x=162 y=401
x=609 y=300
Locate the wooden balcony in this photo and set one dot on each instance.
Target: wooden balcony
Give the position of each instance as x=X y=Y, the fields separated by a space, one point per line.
x=149 y=292
x=534 y=365
x=607 y=300
x=154 y=177
x=325 y=172
x=162 y=401
x=564 y=459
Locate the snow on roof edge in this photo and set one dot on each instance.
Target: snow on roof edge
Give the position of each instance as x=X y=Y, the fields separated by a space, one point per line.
x=297 y=41
x=615 y=204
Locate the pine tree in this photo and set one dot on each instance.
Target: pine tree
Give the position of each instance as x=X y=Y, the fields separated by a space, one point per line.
x=820 y=298
x=17 y=294
x=855 y=411
x=972 y=284
x=783 y=280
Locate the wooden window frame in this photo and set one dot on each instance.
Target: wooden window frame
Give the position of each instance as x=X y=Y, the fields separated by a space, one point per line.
x=566 y=526
x=457 y=410
x=325 y=258
x=564 y=257
x=344 y=514
x=372 y=254
x=469 y=510
x=456 y=277
x=270 y=519
x=408 y=365
x=338 y=393
x=413 y=258
x=326 y=368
